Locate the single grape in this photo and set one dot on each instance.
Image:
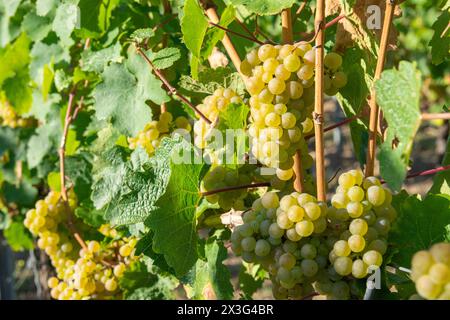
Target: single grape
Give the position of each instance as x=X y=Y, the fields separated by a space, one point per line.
x=343 y=266
x=262 y=248
x=341 y=248
x=356 y=243
x=332 y=61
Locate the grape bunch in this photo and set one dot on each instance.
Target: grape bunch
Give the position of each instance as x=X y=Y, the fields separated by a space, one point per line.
x=359 y=223
x=221 y=177
x=335 y=78
x=280 y=82
x=211 y=107
x=81 y=273
x=430 y=270
x=150 y=137
x=9 y=116
x=284 y=236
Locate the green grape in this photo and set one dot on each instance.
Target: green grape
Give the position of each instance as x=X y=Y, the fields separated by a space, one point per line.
x=272 y=120
x=441 y=252
x=310 y=57
x=294 y=89
x=309 y=267
x=304 y=228
x=427 y=288
x=346 y=180
x=275 y=231
x=270 y=200
x=359 y=269
x=296 y=213
x=332 y=61
x=356 y=243
x=306 y=72
x=284 y=222
x=421 y=262
x=339 y=80
x=339 y=200
x=355 y=193
x=359 y=227
x=246 y=68
x=267 y=51
x=369 y=217
x=372 y=258
x=292 y=235
x=341 y=248
x=382 y=225
x=376 y=195
x=292 y=63
x=262 y=248
x=288 y=120
x=287 y=261
x=282 y=73
x=354 y=209
x=343 y=266
x=308 y=251
x=312 y=210
x=276 y=86
x=439 y=273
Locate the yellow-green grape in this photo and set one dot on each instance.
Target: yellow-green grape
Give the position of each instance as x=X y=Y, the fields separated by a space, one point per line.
x=343 y=266
x=430 y=270
x=211 y=107
x=359 y=269
x=9 y=116
x=341 y=248
x=372 y=258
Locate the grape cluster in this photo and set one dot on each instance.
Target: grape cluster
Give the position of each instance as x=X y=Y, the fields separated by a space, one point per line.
x=150 y=137
x=430 y=270
x=280 y=82
x=9 y=116
x=334 y=78
x=81 y=273
x=211 y=107
x=284 y=236
x=360 y=223
x=220 y=177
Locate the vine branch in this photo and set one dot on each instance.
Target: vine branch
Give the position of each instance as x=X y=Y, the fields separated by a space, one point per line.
x=244 y=186
x=425 y=173
x=374 y=110
x=171 y=89
x=318 y=103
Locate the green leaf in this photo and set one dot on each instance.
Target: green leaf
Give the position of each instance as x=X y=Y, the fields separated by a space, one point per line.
x=441 y=181
x=46 y=137
x=174 y=221
x=119 y=99
x=96 y=61
x=78 y=171
x=47 y=80
x=234 y=116
x=264 y=7
x=95 y=17
x=18 y=237
x=135 y=277
x=7 y=11
x=212 y=274
x=90 y=216
x=398 y=95
x=43 y=54
x=14 y=58
x=54 y=181
x=35 y=26
x=249 y=281
x=165 y=58
x=43 y=7
x=214 y=34
x=140 y=35
x=142 y=188
x=420 y=224
x=353 y=97
x=8 y=139
x=440 y=45
x=193 y=26
x=65 y=21
x=22 y=194
x=109 y=179
x=18 y=91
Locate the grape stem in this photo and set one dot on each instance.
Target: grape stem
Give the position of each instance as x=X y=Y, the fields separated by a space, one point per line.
x=334 y=126
x=244 y=186
x=318 y=103
x=253 y=39
x=374 y=118
x=327 y=25
x=170 y=89
x=425 y=173
x=300 y=9
x=435 y=116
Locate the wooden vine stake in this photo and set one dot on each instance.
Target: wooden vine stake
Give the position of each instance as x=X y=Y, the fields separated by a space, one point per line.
x=318 y=104
x=287 y=34
x=374 y=110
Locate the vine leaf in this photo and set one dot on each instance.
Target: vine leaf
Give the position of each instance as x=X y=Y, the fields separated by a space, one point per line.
x=165 y=58
x=18 y=237
x=43 y=7
x=14 y=75
x=264 y=7
x=95 y=17
x=35 y=26
x=441 y=181
x=65 y=22
x=251 y=279
x=420 y=224
x=193 y=26
x=122 y=95
x=398 y=95
x=96 y=61
x=210 y=278
x=353 y=98
x=173 y=220
x=214 y=34
x=440 y=45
